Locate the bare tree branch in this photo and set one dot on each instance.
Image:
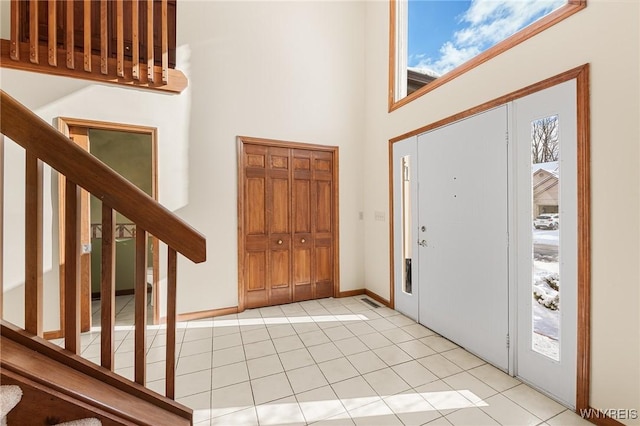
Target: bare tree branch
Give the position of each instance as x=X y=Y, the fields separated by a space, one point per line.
x=544 y=140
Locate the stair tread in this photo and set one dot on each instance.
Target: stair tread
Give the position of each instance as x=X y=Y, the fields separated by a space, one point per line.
x=84 y=387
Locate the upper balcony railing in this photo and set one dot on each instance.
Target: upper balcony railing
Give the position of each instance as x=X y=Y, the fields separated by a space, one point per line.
x=131 y=42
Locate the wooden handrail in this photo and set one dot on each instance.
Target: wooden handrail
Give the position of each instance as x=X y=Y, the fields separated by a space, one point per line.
x=44 y=144
x=11 y=332
x=53 y=148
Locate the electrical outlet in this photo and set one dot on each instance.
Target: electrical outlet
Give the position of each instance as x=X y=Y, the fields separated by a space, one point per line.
x=361 y=215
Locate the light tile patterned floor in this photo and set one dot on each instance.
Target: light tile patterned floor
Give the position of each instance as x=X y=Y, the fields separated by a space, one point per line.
x=328 y=362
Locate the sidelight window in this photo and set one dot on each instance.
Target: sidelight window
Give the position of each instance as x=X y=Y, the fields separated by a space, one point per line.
x=546 y=208
x=406 y=224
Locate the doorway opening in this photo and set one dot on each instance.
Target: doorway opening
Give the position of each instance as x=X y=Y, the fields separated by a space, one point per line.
x=132 y=152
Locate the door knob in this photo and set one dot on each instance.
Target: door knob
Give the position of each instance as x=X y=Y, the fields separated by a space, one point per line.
x=422 y=243
x=279 y=241
x=303 y=240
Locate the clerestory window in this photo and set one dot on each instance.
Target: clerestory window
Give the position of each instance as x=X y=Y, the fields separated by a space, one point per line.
x=434 y=41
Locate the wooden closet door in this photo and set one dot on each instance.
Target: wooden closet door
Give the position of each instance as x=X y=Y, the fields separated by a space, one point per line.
x=303 y=242
x=288 y=225
x=279 y=225
x=267 y=224
x=256 y=233
x=323 y=223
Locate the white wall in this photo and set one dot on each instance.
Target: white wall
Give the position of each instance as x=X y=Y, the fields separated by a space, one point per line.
x=273 y=70
x=263 y=69
x=606 y=35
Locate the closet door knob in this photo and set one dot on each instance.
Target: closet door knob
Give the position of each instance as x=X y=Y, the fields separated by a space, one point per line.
x=302 y=240
x=279 y=241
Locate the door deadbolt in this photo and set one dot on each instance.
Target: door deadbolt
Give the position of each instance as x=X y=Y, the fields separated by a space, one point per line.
x=423 y=228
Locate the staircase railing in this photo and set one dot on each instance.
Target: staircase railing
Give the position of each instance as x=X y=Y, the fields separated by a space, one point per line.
x=44 y=144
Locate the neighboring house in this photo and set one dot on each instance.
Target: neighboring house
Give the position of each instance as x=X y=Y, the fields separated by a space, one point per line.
x=545 y=188
x=417 y=79
x=318 y=72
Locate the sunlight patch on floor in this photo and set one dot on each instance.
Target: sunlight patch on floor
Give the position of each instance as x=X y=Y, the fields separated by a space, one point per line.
x=281 y=413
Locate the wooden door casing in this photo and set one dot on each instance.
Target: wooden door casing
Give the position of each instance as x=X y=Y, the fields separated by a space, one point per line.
x=80 y=136
x=78 y=131
x=288 y=222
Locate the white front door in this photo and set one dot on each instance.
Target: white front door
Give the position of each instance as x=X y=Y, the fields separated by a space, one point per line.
x=545 y=147
x=405 y=213
x=463 y=222
x=464 y=275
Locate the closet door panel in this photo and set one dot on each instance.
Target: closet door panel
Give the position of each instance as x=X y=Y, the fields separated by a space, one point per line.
x=279 y=220
x=280 y=206
x=323 y=221
x=255 y=224
x=302 y=225
x=323 y=207
x=324 y=268
x=279 y=276
x=255 y=276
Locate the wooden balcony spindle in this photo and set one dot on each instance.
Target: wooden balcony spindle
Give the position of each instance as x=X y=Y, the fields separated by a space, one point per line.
x=170 y=377
x=69 y=34
x=108 y=287
x=87 y=36
x=135 y=39
x=150 y=53
x=14 y=49
x=34 y=56
x=140 y=290
x=53 y=34
x=72 y=267
x=165 y=42
x=33 y=246
x=104 y=38
x=120 y=38
x=1 y=221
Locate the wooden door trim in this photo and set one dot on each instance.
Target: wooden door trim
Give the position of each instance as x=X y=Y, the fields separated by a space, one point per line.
x=64 y=124
x=581 y=75
x=241 y=141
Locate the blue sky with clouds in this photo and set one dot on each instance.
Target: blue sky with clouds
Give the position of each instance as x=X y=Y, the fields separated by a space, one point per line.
x=446 y=33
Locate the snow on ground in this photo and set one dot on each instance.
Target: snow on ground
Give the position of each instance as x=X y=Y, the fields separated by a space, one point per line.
x=550 y=238
x=546 y=346
x=546 y=322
